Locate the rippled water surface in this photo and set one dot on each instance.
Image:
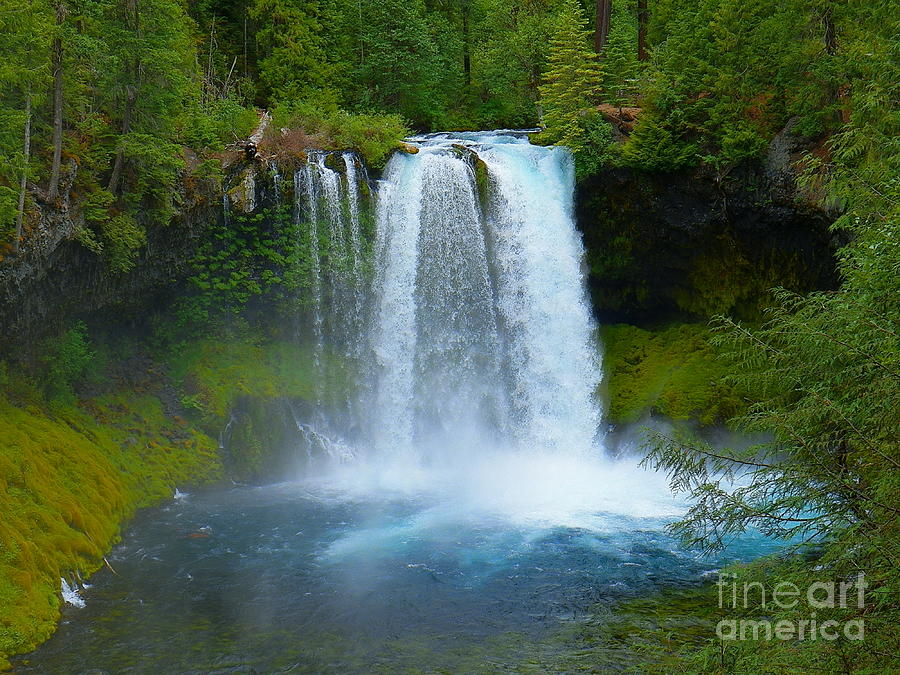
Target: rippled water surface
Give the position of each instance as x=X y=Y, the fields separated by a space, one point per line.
x=361 y=572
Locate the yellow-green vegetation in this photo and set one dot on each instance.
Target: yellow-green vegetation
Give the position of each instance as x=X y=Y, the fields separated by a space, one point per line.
x=374 y=137
x=247 y=384
x=674 y=371
x=74 y=469
x=70 y=475
x=215 y=373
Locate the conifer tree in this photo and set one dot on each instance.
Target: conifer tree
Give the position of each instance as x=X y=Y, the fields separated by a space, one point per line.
x=293 y=59
x=571 y=80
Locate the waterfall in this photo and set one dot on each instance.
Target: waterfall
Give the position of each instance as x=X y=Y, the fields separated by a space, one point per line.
x=330 y=193
x=473 y=329
x=481 y=331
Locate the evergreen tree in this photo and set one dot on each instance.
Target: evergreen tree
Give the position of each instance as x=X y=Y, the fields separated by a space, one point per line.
x=24 y=74
x=571 y=80
x=509 y=57
x=824 y=375
x=401 y=67
x=293 y=61
x=620 y=64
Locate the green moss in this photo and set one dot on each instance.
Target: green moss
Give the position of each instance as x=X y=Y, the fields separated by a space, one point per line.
x=482 y=179
x=247 y=382
x=674 y=371
x=725 y=279
x=217 y=372
x=69 y=477
x=73 y=471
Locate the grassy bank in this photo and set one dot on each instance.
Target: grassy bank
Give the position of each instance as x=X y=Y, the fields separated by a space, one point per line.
x=79 y=457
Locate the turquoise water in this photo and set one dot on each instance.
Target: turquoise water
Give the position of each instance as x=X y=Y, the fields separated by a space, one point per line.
x=329 y=576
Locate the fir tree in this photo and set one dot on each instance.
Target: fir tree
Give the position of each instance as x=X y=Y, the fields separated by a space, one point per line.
x=571 y=80
x=293 y=59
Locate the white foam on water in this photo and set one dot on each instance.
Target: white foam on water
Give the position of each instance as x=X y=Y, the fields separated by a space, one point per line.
x=71 y=595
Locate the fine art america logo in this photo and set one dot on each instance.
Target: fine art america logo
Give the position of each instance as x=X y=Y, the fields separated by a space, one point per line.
x=821 y=595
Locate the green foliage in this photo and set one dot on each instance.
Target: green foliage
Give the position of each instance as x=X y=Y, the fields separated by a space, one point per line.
x=130 y=97
x=510 y=55
x=24 y=73
x=401 y=66
x=66 y=358
x=373 y=136
x=571 y=79
x=217 y=124
x=674 y=371
x=8 y=208
x=245 y=380
x=824 y=371
x=123 y=237
x=253 y=260
x=598 y=149
x=657 y=145
x=619 y=80
x=109 y=231
x=293 y=61
x=726 y=75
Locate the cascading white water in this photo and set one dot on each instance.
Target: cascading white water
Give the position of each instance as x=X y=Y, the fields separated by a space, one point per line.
x=330 y=192
x=481 y=329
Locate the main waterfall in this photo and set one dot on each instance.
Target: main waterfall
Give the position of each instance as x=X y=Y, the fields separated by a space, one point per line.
x=480 y=330
x=450 y=295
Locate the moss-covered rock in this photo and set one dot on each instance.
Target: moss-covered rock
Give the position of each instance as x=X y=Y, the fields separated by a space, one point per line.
x=242 y=195
x=685 y=245
x=674 y=371
x=482 y=179
x=251 y=388
x=335 y=162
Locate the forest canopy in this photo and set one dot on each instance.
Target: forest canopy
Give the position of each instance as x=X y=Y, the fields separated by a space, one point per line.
x=102 y=95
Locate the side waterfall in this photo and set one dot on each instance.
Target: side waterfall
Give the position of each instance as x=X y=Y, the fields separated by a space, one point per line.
x=330 y=191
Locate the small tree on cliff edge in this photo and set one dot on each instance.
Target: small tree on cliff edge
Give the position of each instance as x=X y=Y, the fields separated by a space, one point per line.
x=571 y=80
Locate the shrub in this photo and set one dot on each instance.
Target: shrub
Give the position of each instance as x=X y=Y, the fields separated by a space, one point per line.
x=67 y=359
x=374 y=136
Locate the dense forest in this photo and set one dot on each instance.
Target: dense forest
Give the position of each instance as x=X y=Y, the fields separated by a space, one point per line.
x=121 y=105
x=104 y=95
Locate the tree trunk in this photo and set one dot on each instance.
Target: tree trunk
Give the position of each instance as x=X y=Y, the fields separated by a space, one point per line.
x=119 y=164
x=836 y=93
x=208 y=93
x=601 y=25
x=20 y=215
x=130 y=96
x=830 y=37
x=467 y=57
x=246 y=66
x=642 y=15
x=53 y=191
